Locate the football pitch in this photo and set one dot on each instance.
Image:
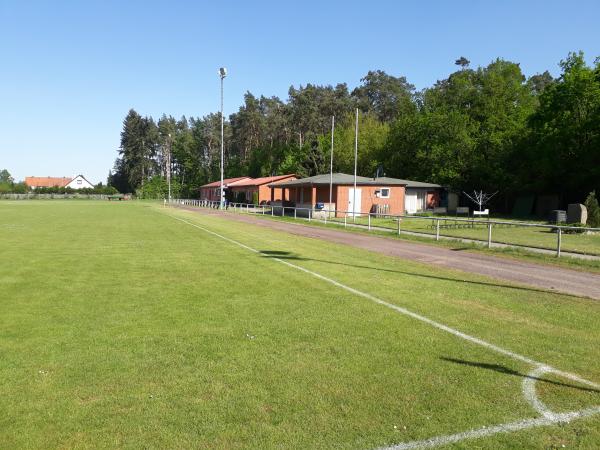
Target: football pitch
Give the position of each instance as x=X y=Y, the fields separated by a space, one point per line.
x=130 y=325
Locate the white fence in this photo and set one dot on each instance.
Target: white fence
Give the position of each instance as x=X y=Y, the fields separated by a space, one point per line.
x=439 y=226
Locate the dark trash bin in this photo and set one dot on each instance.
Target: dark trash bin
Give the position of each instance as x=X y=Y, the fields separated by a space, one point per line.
x=558 y=216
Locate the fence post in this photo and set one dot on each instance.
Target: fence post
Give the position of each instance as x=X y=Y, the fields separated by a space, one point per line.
x=399 y=225
x=272 y=213
x=369 y=221
x=489 y=244
x=345 y=219
x=437 y=230
x=325 y=219
x=295 y=213
x=309 y=214
x=558 y=242
x=282 y=209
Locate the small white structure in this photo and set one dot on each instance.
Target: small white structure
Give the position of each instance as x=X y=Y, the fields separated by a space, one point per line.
x=79 y=182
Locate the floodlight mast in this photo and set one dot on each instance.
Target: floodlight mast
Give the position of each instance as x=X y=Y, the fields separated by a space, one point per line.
x=168 y=162
x=355 y=165
x=331 y=168
x=222 y=75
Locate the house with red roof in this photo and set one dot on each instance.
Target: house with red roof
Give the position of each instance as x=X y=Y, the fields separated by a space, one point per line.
x=78 y=182
x=257 y=190
x=211 y=191
x=38 y=182
x=246 y=189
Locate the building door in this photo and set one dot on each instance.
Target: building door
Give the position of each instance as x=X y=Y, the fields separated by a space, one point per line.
x=416 y=201
x=411 y=202
x=354 y=210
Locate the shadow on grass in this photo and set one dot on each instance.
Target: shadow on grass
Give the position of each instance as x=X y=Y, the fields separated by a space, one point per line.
x=291 y=256
x=505 y=370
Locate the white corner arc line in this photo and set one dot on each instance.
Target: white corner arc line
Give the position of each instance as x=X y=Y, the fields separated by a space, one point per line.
x=531 y=395
x=548 y=417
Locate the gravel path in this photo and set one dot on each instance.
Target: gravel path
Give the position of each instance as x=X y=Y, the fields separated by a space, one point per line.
x=541 y=276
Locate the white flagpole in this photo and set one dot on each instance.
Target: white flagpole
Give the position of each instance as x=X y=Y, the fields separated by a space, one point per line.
x=355 y=162
x=331 y=167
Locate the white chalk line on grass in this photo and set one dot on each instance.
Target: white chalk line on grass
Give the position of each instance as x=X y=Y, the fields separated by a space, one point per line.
x=548 y=417
x=496 y=429
x=530 y=394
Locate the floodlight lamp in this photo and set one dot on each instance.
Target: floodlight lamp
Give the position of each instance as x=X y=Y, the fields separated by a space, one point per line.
x=223 y=72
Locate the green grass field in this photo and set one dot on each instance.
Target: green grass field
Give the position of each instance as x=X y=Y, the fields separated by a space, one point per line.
x=130 y=325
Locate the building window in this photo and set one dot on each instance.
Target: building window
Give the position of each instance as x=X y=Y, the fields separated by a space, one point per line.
x=384 y=193
x=78 y=181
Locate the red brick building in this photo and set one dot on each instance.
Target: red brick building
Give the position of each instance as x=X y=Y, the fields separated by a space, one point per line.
x=382 y=195
x=245 y=191
x=211 y=191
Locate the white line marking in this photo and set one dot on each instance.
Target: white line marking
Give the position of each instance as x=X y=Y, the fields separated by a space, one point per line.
x=496 y=429
x=531 y=395
x=548 y=417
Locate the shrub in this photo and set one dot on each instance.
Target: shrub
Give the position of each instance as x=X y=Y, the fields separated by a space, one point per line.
x=593 y=210
x=156 y=188
x=574 y=225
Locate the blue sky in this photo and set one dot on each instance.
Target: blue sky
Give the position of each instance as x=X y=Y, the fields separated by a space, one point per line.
x=71 y=70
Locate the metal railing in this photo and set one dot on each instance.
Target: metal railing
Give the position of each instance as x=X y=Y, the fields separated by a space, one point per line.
x=373 y=222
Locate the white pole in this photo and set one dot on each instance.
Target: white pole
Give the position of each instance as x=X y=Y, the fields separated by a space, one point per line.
x=331 y=166
x=223 y=74
x=355 y=162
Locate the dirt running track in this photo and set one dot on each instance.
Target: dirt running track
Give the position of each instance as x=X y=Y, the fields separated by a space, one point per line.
x=545 y=277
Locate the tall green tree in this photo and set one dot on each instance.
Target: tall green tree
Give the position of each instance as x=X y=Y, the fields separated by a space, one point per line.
x=139 y=148
x=564 y=144
x=385 y=96
x=5 y=176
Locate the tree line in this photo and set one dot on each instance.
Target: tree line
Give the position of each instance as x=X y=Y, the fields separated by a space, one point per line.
x=489 y=128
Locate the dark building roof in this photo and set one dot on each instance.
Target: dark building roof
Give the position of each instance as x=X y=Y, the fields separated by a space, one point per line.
x=263 y=180
x=417 y=184
x=346 y=179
